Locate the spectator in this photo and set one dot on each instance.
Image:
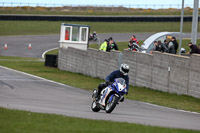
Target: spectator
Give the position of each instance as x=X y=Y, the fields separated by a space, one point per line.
x=133 y=38
x=162 y=46
x=193 y=48
x=171 y=48
x=156 y=46
x=166 y=43
x=175 y=43
x=104 y=46
x=112 y=46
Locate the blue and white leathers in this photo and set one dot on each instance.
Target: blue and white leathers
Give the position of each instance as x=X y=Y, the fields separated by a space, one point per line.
x=110 y=96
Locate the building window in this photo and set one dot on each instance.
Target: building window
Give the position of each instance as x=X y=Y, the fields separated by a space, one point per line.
x=75 y=33
x=67 y=33
x=83 y=34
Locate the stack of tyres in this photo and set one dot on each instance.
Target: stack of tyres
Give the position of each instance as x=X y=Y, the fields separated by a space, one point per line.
x=51 y=60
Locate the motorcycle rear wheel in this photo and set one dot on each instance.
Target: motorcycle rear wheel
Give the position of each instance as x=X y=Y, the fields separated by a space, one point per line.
x=111 y=105
x=94 y=107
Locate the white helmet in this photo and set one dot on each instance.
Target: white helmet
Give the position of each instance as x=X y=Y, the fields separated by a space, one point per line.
x=124 y=69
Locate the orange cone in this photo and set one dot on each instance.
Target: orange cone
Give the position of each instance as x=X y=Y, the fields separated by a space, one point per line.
x=29 y=46
x=5 y=46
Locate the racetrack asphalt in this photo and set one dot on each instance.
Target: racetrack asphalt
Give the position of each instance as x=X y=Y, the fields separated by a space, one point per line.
x=26 y=92
x=18 y=45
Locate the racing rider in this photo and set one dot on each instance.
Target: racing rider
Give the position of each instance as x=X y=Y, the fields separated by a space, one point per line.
x=121 y=73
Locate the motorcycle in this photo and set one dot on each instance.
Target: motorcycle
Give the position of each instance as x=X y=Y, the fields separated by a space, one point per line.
x=93 y=37
x=110 y=96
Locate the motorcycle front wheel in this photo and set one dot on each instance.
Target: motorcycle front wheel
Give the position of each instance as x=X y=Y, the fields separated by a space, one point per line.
x=110 y=105
x=94 y=107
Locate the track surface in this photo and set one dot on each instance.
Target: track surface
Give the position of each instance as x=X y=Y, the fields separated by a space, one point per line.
x=21 y=91
x=18 y=45
x=25 y=92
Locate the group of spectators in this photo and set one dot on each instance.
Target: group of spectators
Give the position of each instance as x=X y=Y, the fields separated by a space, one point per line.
x=108 y=45
x=172 y=47
x=168 y=47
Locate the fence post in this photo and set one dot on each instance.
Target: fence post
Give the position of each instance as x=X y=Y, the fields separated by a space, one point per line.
x=120 y=59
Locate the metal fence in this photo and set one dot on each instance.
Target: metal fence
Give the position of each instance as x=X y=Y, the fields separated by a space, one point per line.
x=143 y=6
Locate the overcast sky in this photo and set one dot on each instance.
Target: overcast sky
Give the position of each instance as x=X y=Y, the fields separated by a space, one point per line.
x=107 y=2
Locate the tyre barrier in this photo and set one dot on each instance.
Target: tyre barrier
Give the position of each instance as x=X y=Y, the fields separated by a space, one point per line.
x=51 y=60
x=96 y=18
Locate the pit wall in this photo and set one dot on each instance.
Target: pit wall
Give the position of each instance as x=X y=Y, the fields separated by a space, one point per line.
x=159 y=71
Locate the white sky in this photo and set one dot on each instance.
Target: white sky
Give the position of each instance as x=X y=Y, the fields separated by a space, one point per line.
x=173 y=3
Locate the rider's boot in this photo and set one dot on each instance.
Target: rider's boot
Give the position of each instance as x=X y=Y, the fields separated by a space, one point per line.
x=95 y=93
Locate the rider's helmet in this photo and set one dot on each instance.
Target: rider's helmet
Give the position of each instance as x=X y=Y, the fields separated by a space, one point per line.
x=124 y=69
x=94 y=32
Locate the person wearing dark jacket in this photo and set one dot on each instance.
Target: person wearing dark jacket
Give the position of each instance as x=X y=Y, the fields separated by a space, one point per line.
x=193 y=48
x=175 y=43
x=156 y=46
x=121 y=73
x=112 y=46
x=162 y=46
x=171 y=48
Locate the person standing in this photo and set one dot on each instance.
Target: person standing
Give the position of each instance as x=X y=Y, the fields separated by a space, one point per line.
x=112 y=46
x=134 y=39
x=104 y=46
x=175 y=43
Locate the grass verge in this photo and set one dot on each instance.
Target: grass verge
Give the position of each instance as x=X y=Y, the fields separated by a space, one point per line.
x=107 y=11
x=14 y=121
x=51 y=27
x=85 y=82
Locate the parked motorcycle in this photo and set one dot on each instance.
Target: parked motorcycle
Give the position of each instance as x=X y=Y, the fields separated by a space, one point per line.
x=109 y=96
x=93 y=37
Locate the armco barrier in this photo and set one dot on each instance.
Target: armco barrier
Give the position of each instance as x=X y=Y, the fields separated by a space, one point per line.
x=159 y=71
x=95 y=18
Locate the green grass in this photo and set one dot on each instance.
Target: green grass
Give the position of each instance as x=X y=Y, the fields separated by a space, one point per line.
x=54 y=52
x=50 y=27
x=81 y=81
x=14 y=121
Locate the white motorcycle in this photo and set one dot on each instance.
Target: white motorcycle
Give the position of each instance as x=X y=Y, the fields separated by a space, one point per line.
x=109 y=96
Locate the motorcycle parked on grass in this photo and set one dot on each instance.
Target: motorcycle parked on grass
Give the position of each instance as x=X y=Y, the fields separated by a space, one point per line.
x=110 y=96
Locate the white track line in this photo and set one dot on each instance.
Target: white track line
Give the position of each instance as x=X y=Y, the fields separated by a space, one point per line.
x=34 y=76
x=43 y=54
x=169 y=108
x=71 y=86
